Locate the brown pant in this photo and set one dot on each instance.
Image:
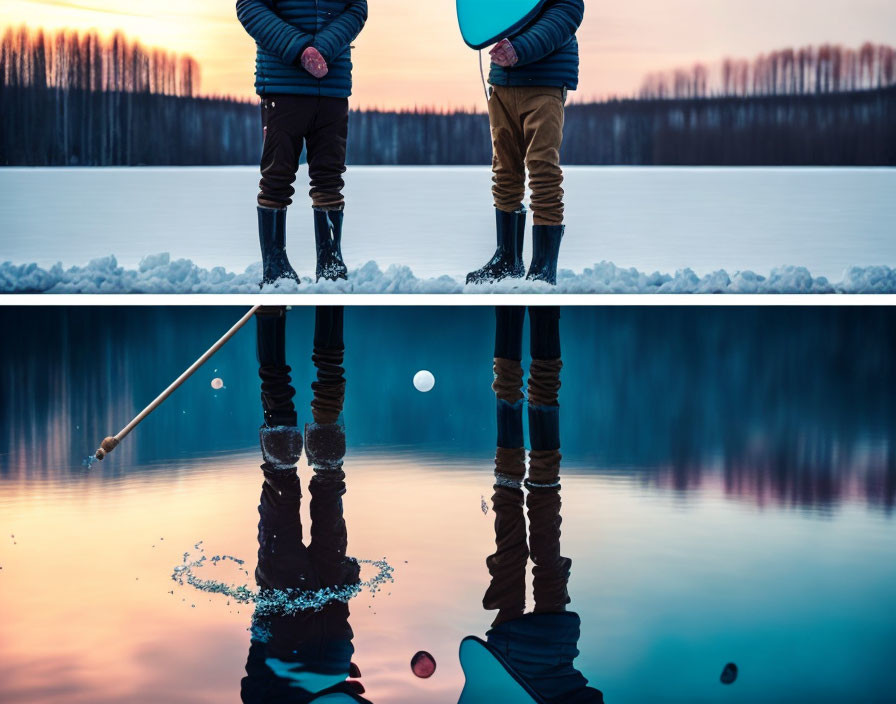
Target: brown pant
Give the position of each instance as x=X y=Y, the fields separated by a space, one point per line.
x=527 y=129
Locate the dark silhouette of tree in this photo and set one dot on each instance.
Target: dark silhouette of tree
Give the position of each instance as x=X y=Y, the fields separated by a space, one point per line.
x=70 y=99
x=808 y=70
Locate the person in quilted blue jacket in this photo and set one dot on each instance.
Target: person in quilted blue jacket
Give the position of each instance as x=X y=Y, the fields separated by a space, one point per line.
x=303 y=74
x=531 y=71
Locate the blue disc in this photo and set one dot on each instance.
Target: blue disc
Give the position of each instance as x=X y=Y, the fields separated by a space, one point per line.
x=484 y=22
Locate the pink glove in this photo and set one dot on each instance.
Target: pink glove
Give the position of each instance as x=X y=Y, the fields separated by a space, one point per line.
x=503 y=53
x=314 y=63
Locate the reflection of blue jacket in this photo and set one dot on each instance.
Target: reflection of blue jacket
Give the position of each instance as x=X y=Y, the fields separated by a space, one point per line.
x=283 y=29
x=547 y=49
x=541 y=648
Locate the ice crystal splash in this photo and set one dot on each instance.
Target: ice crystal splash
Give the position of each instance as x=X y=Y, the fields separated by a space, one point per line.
x=270 y=602
x=89 y=461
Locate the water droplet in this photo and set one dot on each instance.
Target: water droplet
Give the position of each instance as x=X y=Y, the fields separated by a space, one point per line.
x=729 y=674
x=423 y=664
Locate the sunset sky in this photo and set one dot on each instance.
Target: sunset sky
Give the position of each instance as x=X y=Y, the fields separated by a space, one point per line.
x=410 y=53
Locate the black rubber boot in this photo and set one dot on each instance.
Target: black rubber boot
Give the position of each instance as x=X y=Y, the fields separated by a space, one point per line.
x=328 y=238
x=507 y=261
x=545 y=248
x=272 y=237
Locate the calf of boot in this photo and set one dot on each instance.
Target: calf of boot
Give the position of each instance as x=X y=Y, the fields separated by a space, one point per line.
x=507 y=261
x=545 y=250
x=272 y=238
x=328 y=241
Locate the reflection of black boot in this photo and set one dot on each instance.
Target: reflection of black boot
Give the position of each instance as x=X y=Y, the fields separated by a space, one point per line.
x=507 y=261
x=328 y=239
x=551 y=571
x=545 y=249
x=272 y=237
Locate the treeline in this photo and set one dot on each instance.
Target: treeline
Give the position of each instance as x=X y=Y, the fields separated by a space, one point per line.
x=68 y=60
x=49 y=127
x=75 y=99
x=829 y=68
x=857 y=128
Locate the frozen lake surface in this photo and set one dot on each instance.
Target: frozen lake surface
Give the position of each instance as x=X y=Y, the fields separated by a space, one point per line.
x=420 y=229
x=728 y=494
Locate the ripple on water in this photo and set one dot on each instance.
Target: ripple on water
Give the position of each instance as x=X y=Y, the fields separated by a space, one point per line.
x=270 y=602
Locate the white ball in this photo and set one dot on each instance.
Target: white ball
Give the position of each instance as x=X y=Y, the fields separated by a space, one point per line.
x=424 y=381
x=217 y=383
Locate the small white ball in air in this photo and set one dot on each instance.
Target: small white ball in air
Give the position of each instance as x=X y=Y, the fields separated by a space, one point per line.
x=424 y=381
x=217 y=383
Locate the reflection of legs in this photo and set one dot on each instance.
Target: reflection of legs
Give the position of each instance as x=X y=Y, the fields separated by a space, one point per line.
x=508 y=385
x=551 y=571
x=507 y=566
x=276 y=389
x=282 y=561
x=328 y=355
x=325 y=443
x=329 y=539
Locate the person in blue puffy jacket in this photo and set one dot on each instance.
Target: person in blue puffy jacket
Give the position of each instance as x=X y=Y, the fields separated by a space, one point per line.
x=303 y=74
x=531 y=71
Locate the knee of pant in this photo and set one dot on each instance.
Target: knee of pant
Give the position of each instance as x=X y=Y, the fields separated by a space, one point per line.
x=544 y=163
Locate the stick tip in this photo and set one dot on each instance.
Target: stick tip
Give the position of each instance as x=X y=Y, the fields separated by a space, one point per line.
x=106 y=446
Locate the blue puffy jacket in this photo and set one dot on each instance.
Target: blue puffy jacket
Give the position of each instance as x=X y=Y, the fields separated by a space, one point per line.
x=547 y=49
x=283 y=29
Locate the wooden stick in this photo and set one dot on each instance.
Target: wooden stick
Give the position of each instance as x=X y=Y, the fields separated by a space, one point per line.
x=111 y=442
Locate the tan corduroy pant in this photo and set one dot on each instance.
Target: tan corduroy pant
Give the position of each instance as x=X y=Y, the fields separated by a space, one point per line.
x=527 y=129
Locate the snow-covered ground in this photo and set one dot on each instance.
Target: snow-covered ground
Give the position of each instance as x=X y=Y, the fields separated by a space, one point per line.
x=420 y=229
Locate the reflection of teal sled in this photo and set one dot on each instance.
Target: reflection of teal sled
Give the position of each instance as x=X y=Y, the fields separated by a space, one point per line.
x=490 y=678
x=485 y=22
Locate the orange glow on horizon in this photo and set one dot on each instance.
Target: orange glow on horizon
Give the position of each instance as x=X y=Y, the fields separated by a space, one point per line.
x=411 y=55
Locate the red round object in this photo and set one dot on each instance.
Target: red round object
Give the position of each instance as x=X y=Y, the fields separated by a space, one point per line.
x=423 y=664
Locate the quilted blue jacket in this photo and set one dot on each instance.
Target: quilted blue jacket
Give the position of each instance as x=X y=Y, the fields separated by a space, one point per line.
x=283 y=29
x=547 y=49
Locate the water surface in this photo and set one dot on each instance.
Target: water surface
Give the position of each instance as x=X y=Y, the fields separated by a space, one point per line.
x=728 y=483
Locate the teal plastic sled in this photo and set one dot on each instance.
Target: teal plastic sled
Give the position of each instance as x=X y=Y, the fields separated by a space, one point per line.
x=489 y=678
x=484 y=22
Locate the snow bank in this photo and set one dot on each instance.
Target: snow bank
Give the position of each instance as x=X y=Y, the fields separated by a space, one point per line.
x=160 y=274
